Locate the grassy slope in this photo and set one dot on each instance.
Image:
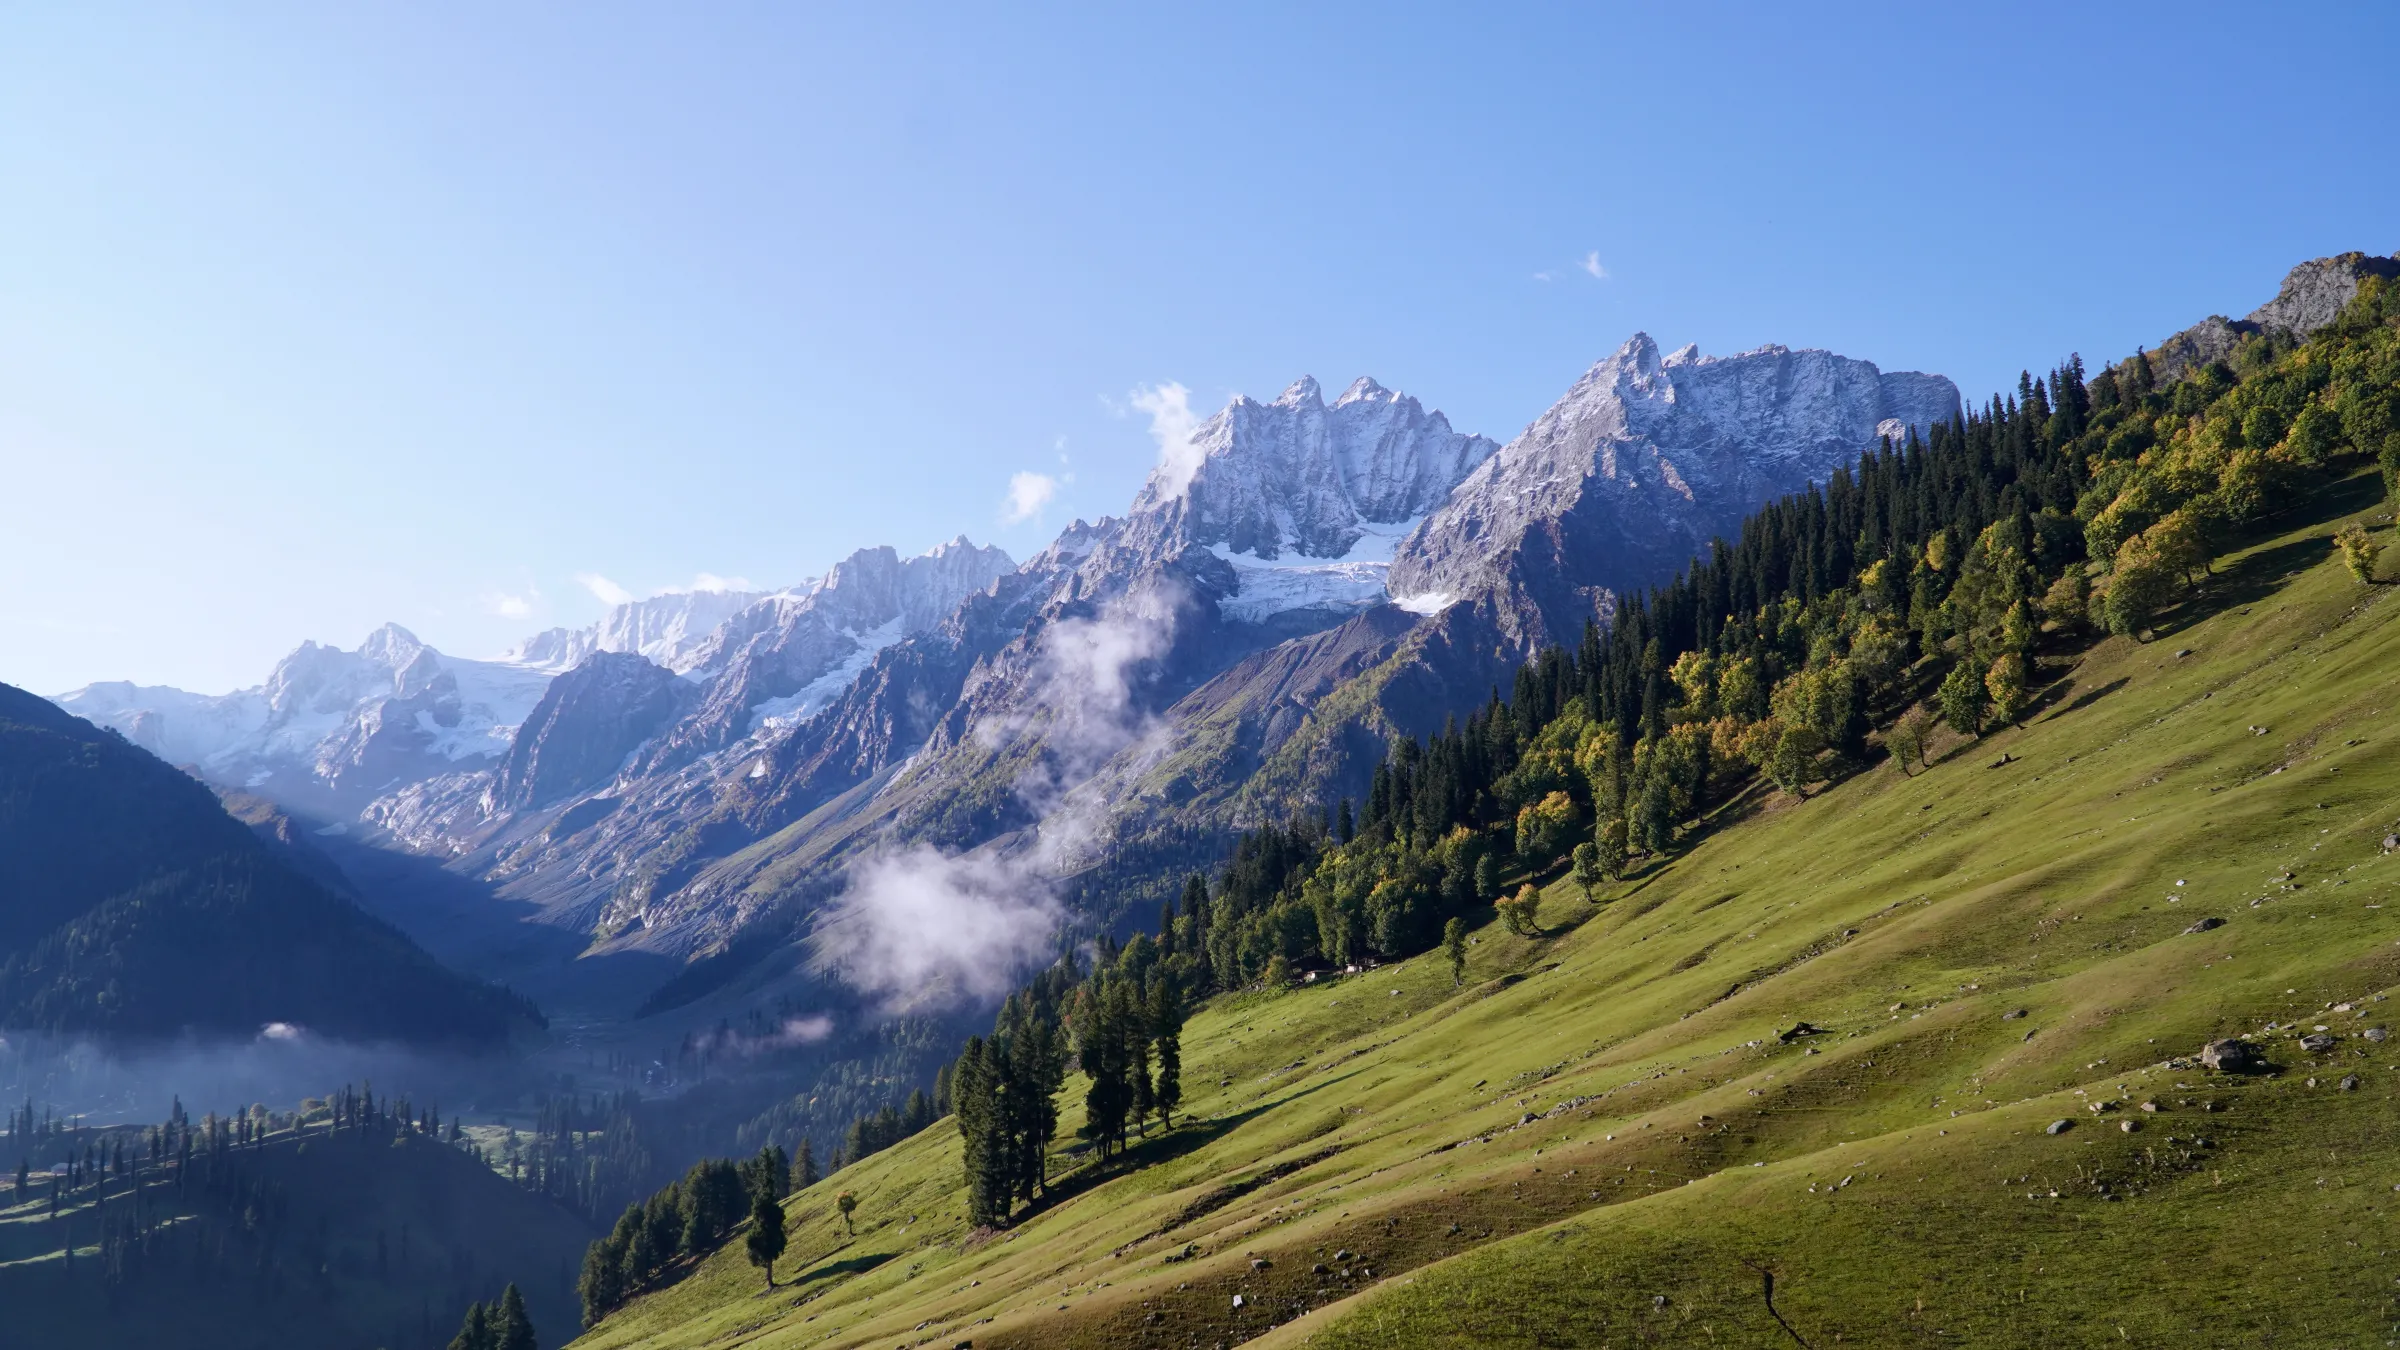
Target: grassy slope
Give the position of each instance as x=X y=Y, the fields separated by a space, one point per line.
x=1897 y=1181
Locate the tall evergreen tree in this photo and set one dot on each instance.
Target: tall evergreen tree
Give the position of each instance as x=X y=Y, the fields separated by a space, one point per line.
x=475 y=1333
x=766 y=1239
x=510 y=1328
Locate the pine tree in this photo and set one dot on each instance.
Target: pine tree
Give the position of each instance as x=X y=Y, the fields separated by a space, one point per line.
x=1166 y=1027
x=804 y=1167
x=476 y=1332
x=511 y=1329
x=976 y=1105
x=765 y=1242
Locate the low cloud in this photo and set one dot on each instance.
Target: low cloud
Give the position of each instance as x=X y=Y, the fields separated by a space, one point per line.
x=1591 y=264
x=709 y=583
x=509 y=606
x=1172 y=425
x=791 y=1034
x=1028 y=493
x=921 y=927
x=609 y=592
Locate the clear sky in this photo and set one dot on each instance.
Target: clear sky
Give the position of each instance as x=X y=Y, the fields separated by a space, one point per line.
x=317 y=316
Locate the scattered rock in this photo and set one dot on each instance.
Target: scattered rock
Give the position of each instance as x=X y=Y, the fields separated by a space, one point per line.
x=2150 y=1106
x=1346 y=1255
x=1799 y=1029
x=2229 y=1056
x=1319 y=1268
x=2205 y=924
x=2376 y=1034
x=2129 y=1126
x=2059 y=1127
x=2350 y=1083
x=1658 y=1300
x=2316 y=1043
x=2012 y=1015
x=1260 y=1263
x=1240 y=1302
x=2390 y=842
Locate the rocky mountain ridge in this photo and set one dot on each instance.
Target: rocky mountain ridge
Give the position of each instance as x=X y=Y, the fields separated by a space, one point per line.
x=2311 y=295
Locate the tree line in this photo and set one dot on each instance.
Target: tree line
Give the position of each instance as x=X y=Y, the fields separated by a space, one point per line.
x=655 y=1239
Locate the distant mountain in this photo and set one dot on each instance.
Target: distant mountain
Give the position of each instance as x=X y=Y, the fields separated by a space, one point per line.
x=663 y=629
x=136 y=904
x=330 y=730
x=1226 y=651
x=971 y=717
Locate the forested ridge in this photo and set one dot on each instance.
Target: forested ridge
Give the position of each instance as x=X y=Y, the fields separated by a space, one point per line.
x=138 y=906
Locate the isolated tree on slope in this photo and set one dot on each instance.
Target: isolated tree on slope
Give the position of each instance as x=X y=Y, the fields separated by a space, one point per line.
x=765 y=1242
x=1454 y=943
x=1587 y=868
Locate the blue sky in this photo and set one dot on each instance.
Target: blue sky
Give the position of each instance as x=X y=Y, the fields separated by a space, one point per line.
x=317 y=316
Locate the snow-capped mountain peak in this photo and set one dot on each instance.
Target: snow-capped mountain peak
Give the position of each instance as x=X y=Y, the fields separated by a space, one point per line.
x=1642 y=462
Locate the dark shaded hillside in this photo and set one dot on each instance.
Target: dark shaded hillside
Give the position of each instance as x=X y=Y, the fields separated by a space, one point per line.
x=370 y=1236
x=131 y=902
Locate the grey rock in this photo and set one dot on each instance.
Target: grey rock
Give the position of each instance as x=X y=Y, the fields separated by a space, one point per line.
x=2376 y=1034
x=2350 y=1083
x=2206 y=924
x=2230 y=1056
x=2311 y=297
x=2059 y=1127
x=2317 y=1043
x=589 y=720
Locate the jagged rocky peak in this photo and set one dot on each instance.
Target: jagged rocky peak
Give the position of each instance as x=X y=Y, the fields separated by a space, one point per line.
x=589 y=721
x=1296 y=476
x=2311 y=297
x=1642 y=462
x=668 y=628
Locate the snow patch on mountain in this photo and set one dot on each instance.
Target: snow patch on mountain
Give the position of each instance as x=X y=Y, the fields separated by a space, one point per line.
x=1296 y=581
x=791 y=709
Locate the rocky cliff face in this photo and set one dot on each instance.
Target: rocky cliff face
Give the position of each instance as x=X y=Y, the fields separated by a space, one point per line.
x=2311 y=296
x=1641 y=464
x=589 y=721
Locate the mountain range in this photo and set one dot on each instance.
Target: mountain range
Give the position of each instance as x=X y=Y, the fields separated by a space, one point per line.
x=1304 y=579
x=1301 y=581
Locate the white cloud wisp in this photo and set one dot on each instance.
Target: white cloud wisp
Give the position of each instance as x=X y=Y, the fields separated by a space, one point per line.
x=1028 y=493
x=1172 y=425
x=922 y=928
